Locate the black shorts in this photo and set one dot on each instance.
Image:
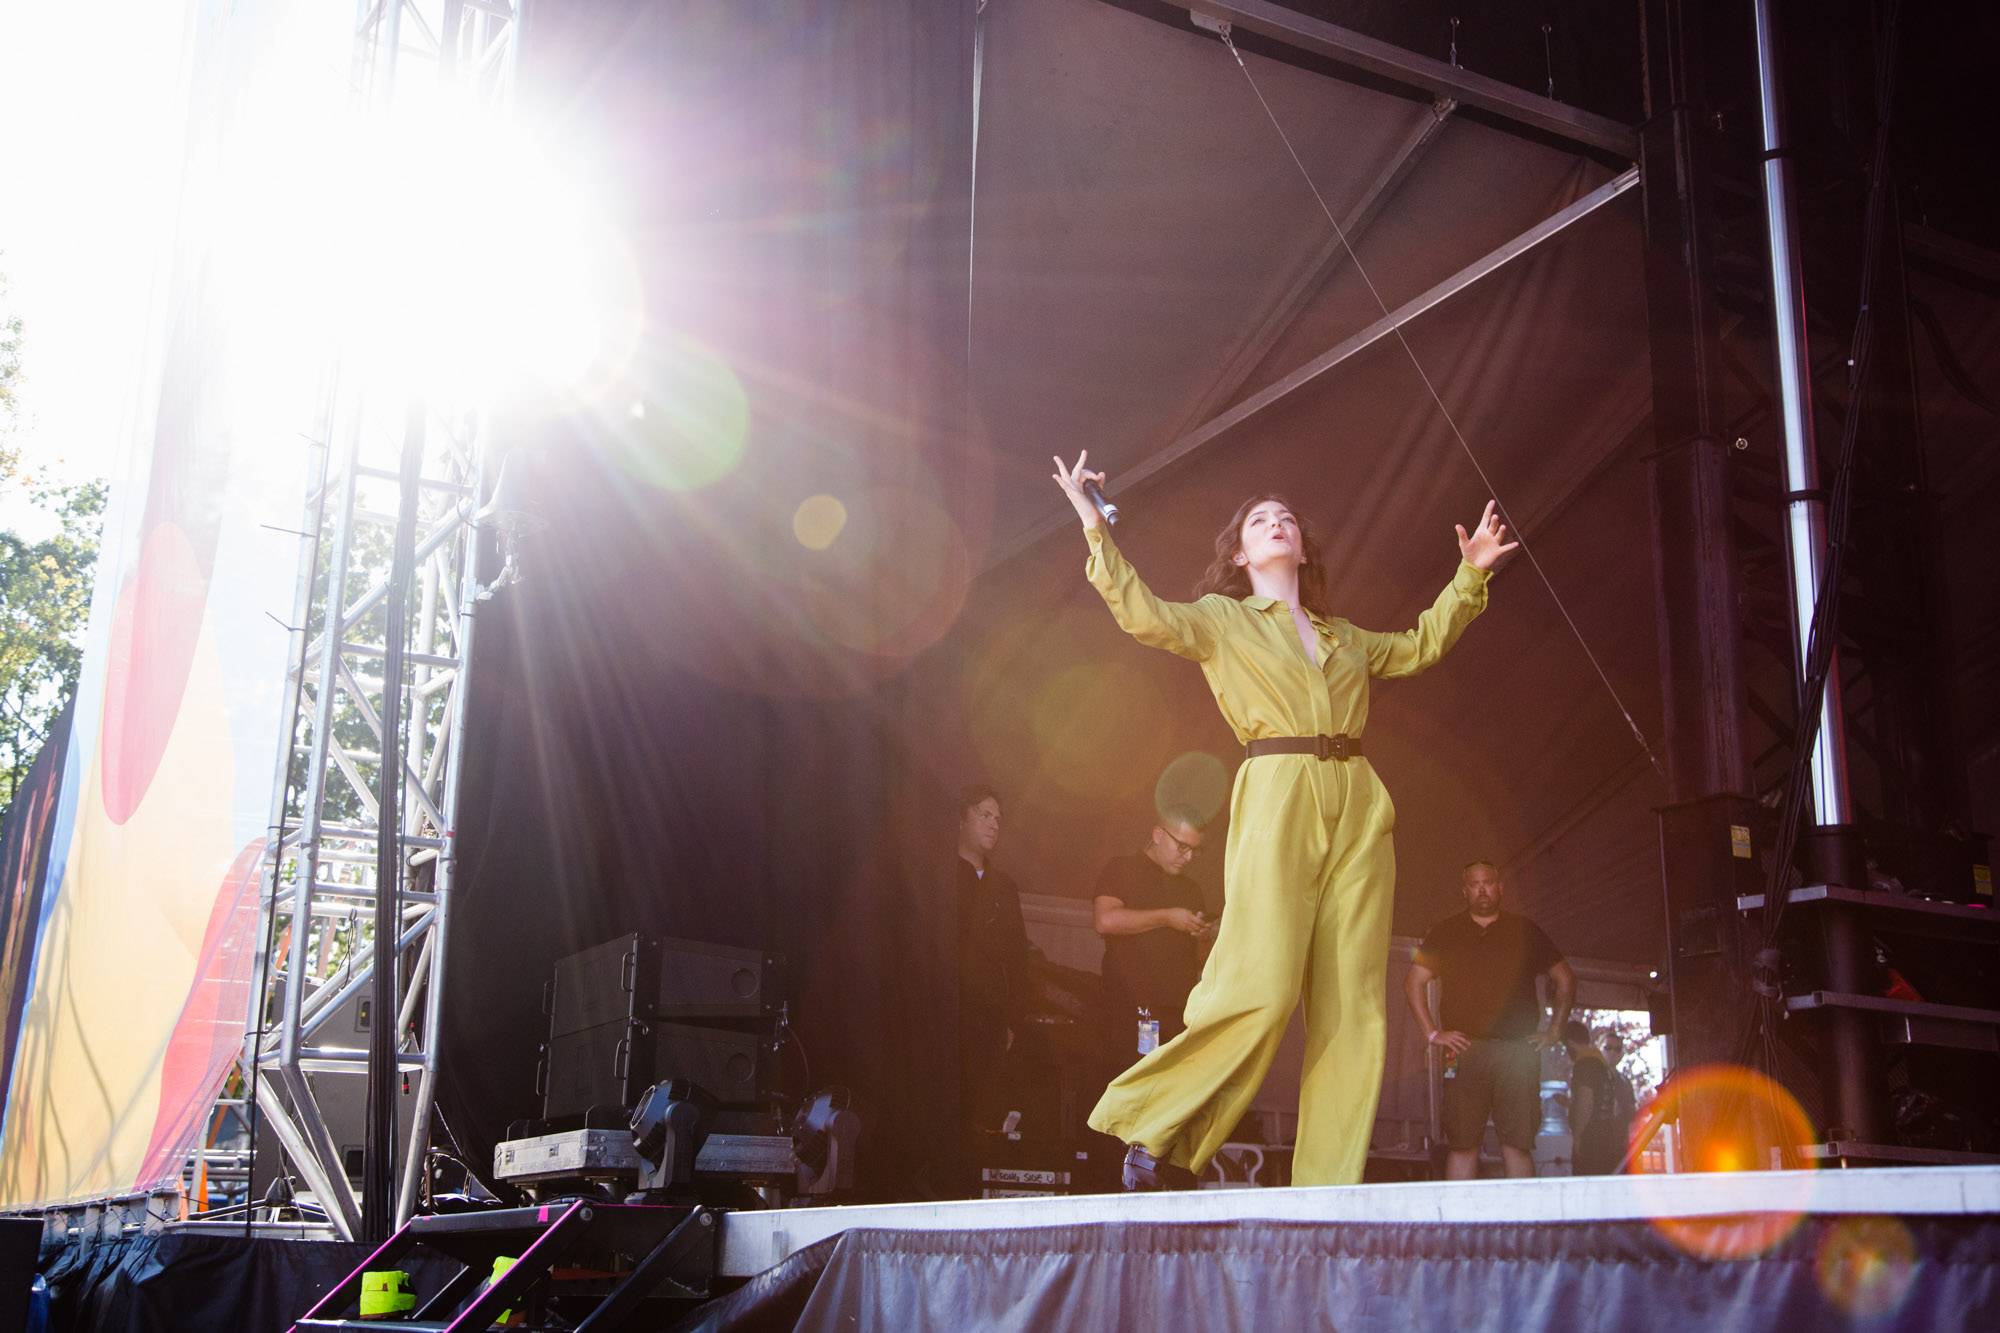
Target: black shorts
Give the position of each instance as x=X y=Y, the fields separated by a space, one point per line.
x=1501 y=1079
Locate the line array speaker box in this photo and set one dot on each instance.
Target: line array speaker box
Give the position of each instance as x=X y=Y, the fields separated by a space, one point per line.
x=611 y=1064
x=644 y=977
x=613 y=1032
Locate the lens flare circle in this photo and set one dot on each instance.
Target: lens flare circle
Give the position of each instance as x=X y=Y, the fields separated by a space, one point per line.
x=1865 y=1265
x=1197 y=782
x=1083 y=719
x=1734 y=1119
x=687 y=416
x=895 y=580
x=818 y=521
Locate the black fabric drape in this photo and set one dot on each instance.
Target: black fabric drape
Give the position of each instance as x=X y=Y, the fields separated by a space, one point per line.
x=174 y=1282
x=687 y=720
x=1359 y=1277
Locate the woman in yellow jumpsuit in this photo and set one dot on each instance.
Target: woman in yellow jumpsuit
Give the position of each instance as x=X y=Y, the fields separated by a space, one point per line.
x=1310 y=867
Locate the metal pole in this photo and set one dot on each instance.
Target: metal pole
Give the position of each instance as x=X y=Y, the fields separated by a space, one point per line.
x=1805 y=501
x=1853 y=1068
x=270 y=875
x=378 y=1186
x=451 y=745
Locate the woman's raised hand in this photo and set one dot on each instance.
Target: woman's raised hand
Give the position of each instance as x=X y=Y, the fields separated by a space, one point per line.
x=1487 y=545
x=1071 y=479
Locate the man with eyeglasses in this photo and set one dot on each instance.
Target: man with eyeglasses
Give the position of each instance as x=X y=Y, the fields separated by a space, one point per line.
x=1155 y=930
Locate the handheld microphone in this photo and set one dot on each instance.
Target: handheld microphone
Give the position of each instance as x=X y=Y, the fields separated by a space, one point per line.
x=1104 y=505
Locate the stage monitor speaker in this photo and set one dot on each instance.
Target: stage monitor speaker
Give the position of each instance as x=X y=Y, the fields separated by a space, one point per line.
x=638 y=978
x=715 y=981
x=612 y=982
x=602 y=1066
x=1708 y=857
x=611 y=1064
x=736 y=1068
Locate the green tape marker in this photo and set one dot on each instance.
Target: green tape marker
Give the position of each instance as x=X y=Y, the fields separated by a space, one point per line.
x=386 y=1293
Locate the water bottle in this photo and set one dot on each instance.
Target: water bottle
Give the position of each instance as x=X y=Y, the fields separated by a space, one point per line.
x=1149 y=1030
x=39 y=1302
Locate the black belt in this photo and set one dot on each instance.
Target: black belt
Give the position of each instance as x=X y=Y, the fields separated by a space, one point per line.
x=1342 y=746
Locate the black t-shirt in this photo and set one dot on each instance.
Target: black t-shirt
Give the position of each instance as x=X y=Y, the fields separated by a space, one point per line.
x=992 y=959
x=1489 y=973
x=1588 y=1071
x=1158 y=967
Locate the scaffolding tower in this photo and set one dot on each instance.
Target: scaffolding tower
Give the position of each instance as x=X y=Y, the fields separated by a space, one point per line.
x=365 y=801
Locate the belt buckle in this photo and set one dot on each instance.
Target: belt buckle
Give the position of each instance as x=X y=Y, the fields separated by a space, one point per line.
x=1332 y=747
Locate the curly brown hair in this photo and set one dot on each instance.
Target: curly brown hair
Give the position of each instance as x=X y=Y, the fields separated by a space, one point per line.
x=1230 y=579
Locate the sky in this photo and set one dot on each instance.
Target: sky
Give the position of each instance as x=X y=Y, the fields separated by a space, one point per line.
x=93 y=101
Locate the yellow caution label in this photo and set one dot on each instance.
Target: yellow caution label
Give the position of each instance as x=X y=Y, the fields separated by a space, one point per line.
x=1982 y=880
x=1739 y=842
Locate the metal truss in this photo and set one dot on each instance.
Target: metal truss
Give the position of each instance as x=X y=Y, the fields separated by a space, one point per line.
x=387 y=461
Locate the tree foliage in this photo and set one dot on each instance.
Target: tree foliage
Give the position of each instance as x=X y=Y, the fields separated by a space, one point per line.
x=44 y=609
x=10 y=366
x=44 y=585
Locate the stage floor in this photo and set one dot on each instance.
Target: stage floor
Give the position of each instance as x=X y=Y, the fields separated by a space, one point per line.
x=755 y=1241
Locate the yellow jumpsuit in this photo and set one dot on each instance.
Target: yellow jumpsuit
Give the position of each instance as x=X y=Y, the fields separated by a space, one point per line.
x=1310 y=871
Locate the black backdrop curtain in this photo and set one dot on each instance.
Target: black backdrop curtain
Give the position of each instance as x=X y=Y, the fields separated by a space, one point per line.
x=691 y=717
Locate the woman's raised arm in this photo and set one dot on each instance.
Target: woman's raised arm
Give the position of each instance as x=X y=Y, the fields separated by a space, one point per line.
x=1186 y=628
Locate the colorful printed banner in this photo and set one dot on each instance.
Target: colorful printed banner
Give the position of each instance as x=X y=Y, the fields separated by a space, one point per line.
x=127 y=966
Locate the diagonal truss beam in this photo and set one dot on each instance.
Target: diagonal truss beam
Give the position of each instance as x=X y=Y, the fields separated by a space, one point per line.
x=1257 y=345
x=1436 y=78
x=1216 y=427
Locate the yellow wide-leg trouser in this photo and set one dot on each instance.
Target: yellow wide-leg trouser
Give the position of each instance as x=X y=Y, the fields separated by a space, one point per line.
x=1311 y=877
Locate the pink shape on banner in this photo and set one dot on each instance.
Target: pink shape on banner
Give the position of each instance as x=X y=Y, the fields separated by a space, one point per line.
x=209 y=1034
x=153 y=634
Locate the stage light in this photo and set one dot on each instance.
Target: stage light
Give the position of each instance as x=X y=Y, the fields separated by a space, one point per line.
x=824 y=1133
x=515 y=514
x=668 y=1127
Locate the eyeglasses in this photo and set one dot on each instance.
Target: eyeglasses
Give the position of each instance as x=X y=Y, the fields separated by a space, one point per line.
x=1188 y=849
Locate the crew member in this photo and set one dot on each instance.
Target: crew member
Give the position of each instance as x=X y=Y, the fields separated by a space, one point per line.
x=1596 y=1143
x=1489 y=960
x=1624 y=1106
x=992 y=958
x=1309 y=863
x=1151 y=917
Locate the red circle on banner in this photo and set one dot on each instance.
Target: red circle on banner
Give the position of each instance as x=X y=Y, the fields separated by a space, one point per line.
x=153 y=633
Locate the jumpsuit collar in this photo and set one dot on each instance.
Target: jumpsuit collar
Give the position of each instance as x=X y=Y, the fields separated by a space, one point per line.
x=1256 y=603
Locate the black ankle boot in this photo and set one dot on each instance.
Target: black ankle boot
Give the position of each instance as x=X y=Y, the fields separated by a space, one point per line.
x=1144 y=1172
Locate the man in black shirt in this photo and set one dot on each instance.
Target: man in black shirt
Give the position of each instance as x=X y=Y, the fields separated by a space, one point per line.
x=1597 y=1141
x=1623 y=1107
x=992 y=955
x=1489 y=961
x=1151 y=918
